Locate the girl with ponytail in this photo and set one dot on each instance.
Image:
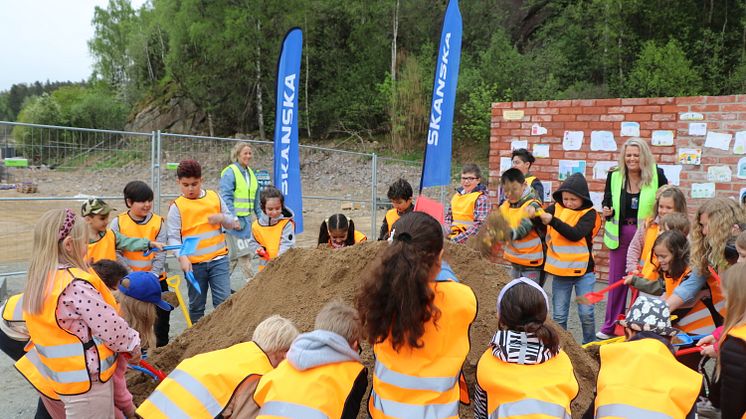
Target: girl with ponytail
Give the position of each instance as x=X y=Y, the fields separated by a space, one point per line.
x=418 y=323
x=338 y=231
x=505 y=383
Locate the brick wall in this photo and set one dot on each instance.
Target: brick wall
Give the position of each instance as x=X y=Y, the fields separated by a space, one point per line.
x=723 y=114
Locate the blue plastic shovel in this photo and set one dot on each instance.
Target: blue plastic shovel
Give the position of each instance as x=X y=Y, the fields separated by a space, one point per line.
x=186 y=248
x=683 y=339
x=190 y=277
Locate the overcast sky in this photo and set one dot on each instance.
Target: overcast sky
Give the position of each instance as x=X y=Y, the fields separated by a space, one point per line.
x=46 y=40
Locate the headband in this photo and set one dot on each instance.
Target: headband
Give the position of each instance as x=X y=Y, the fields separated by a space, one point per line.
x=521 y=280
x=67 y=225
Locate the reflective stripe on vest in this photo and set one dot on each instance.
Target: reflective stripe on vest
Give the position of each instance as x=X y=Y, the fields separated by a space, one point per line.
x=194 y=214
x=565 y=257
x=424 y=382
x=529 y=250
x=244 y=193
x=645 y=380
x=462 y=211
x=627 y=411
x=203 y=385
x=13 y=310
x=31 y=367
x=103 y=248
x=405 y=410
x=645 y=205
x=528 y=407
x=150 y=230
x=291 y=410
x=58 y=356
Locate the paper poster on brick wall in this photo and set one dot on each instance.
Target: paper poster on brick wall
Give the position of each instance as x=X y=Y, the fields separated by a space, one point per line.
x=572 y=140
x=512 y=115
x=630 y=129
x=690 y=156
x=603 y=141
x=719 y=140
x=516 y=144
x=691 y=116
x=568 y=167
x=741 y=169
x=719 y=174
x=698 y=128
x=597 y=198
x=703 y=190
x=673 y=173
x=541 y=151
x=505 y=164
x=739 y=146
x=601 y=169
x=547 y=190
x=537 y=129
x=662 y=138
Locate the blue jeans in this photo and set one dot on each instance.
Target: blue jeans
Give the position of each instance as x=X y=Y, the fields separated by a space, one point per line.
x=216 y=275
x=562 y=292
x=534 y=274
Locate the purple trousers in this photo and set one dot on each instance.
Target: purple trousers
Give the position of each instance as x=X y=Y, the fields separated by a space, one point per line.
x=617 y=298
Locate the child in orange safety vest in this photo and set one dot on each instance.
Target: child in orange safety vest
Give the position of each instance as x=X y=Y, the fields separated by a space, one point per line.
x=273 y=233
x=469 y=206
x=524 y=370
x=732 y=344
x=400 y=194
x=338 y=231
x=572 y=223
x=525 y=248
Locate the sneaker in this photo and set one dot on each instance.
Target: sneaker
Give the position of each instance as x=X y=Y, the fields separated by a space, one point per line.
x=603 y=336
x=705 y=409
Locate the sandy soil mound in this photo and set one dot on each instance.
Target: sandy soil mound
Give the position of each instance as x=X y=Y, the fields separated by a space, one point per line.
x=299 y=283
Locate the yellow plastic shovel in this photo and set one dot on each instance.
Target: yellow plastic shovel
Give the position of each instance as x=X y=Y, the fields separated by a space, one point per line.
x=174 y=282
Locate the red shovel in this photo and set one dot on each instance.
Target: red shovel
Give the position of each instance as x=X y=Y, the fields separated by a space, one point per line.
x=594 y=297
x=693 y=350
x=158 y=373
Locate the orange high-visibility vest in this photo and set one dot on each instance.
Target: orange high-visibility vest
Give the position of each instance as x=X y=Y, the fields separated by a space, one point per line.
x=203 y=385
x=425 y=382
x=462 y=210
x=13 y=310
x=392 y=216
x=648 y=260
x=318 y=392
x=698 y=321
x=57 y=359
x=128 y=227
x=194 y=213
x=529 y=250
x=527 y=391
x=565 y=257
x=269 y=237
x=360 y=237
x=643 y=379
x=103 y=248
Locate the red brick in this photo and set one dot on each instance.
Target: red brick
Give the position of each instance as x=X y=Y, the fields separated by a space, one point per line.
x=603 y=125
x=560 y=103
x=720 y=116
x=661 y=100
x=724 y=186
x=614 y=118
x=589 y=117
x=620 y=109
x=740 y=107
x=594 y=110
x=649 y=125
x=520 y=132
x=635 y=101
x=529 y=111
x=563 y=117
x=583 y=102
x=741 y=98
x=551 y=140
x=646 y=109
x=575 y=155
x=608 y=102
x=664 y=117
x=541 y=118
x=553 y=124
x=499 y=132
x=537 y=104
x=688 y=100
x=668 y=158
x=511 y=124
x=599 y=156
x=721 y=99
x=576 y=125
x=571 y=110
x=645 y=133
x=736 y=126
x=548 y=111
x=669 y=149
x=502 y=105
x=674 y=108
x=639 y=117
x=704 y=108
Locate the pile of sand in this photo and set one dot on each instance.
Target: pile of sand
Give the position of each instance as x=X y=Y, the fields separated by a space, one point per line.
x=299 y=283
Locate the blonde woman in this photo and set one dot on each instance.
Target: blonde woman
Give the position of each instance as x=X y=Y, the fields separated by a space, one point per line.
x=629 y=196
x=716 y=222
x=239 y=188
x=733 y=345
x=72 y=321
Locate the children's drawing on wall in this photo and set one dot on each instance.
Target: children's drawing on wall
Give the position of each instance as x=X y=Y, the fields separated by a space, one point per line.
x=541 y=151
x=691 y=116
x=630 y=129
x=719 y=174
x=719 y=140
x=518 y=144
x=601 y=169
x=673 y=173
x=739 y=146
x=505 y=164
x=703 y=190
x=537 y=129
x=698 y=128
x=690 y=156
x=568 y=167
x=509 y=115
x=603 y=141
x=572 y=140
x=662 y=138
x=547 y=190
x=741 y=169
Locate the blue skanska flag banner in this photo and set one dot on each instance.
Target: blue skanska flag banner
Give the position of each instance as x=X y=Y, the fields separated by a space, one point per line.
x=287 y=156
x=436 y=170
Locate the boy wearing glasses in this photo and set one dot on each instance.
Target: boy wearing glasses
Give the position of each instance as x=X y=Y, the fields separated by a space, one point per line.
x=469 y=205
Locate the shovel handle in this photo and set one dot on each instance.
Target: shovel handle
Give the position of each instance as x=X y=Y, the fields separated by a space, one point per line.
x=687 y=351
x=714 y=274
x=165 y=248
x=611 y=287
x=158 y=373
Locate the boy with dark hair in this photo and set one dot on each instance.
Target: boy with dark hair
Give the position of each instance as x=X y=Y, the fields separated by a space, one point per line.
x=140 y=221
x=525 y=248
x=400 y=194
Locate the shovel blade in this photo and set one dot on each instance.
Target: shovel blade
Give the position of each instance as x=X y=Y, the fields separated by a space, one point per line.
x=189 y=246
x=593 y=297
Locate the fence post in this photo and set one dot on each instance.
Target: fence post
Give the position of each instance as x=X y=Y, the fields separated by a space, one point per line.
x=152 y=158
x=157 y=169
x=373 y=196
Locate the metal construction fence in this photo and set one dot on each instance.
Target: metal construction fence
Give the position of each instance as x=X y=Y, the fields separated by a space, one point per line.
x=67 y=165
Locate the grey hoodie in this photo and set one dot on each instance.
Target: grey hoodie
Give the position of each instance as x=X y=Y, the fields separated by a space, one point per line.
x=320 y=347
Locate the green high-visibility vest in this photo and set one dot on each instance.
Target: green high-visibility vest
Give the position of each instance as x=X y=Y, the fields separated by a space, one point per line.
x=245 y=193
x=644 y=208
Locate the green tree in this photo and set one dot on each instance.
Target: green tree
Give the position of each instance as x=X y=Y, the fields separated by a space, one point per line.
x=663 y=71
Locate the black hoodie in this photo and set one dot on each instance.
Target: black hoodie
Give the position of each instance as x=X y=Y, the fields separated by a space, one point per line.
x=577 y=185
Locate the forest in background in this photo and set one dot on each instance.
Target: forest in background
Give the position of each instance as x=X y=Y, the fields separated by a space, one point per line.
x=368 y=66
